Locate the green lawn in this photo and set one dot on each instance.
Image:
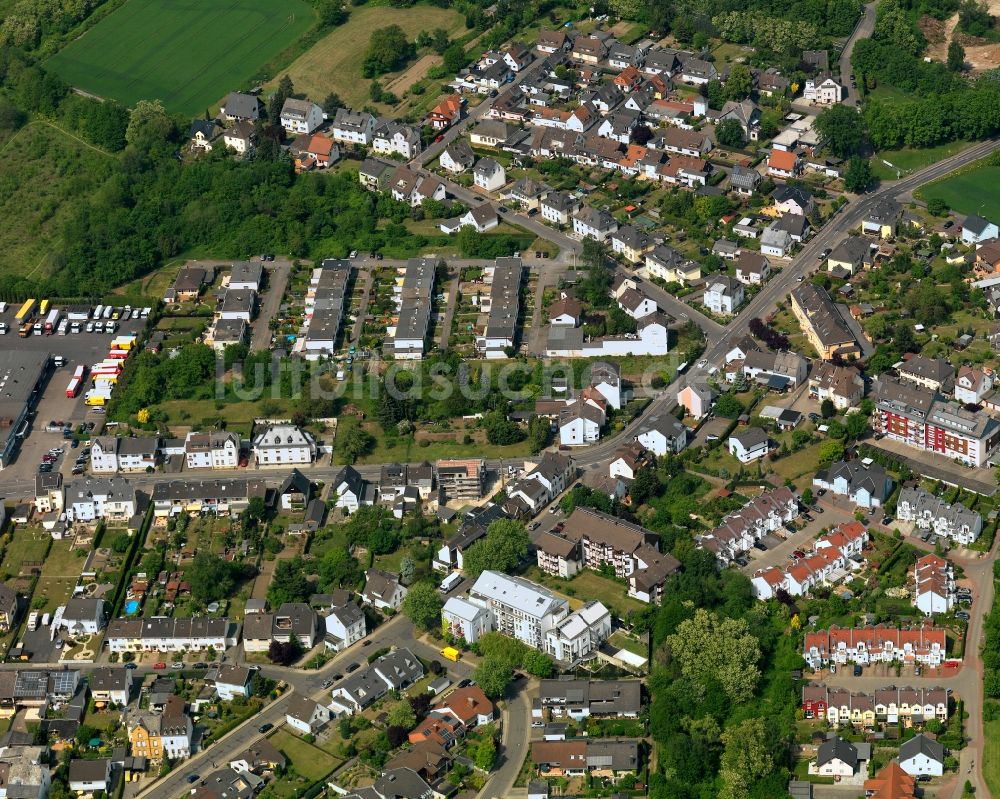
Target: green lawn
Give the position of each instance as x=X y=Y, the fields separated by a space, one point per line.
x=307 y=760
x=25 y=545
x=991 y=756
x=588 y=585
x=187 y=54
x=911 y=159
x=44 y=174
x=972 y=191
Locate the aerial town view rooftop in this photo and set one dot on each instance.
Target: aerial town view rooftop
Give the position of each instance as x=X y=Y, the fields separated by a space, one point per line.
x=458 y=399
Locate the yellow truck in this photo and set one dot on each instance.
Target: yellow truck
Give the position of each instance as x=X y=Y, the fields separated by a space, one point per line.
x=451 y=653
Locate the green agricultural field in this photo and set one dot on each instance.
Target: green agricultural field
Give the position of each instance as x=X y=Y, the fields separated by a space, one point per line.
x=188 y=54
x=970 y=192
x=333 y=64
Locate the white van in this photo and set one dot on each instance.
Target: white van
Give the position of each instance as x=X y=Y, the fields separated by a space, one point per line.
x=449 y=582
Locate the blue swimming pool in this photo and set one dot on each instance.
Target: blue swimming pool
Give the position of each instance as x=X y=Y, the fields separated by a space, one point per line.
x=132 y=606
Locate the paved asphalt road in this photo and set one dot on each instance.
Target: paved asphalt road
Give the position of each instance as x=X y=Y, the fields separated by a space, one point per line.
x=864 y=29
x=395 y=632
x=277 y=280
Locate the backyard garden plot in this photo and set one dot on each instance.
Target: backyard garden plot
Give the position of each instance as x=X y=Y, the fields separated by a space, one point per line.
x=186 y=54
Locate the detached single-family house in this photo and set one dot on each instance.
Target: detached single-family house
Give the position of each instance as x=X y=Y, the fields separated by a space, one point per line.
x=749 y=444
x=922 y=755
x=783 y=164
x=306 y=715
x=752 y=268
x=663 y=433
x=239 y=107
x=866 y=486
x=723 y=295
x=976 y=230
x=823 y=90
x=595 y=223
x=489 y=175
x=457 y=157
x=383 y=590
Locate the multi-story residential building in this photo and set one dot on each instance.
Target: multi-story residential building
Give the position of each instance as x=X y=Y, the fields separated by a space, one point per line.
x=391 y=137
x=867 y=486
x=933 y=585
x=284 y=445
x=723 y=295
x=749 y=444
x=928 y=512
x=933 y=374
x=519 y=608
x=464 y=620
x=926 y=420
x=156 y=736
x=822 y=322
x=591 y=539
x=462 y=479
x=300 y=116
x=110 y=454
x=345 y=625
x=891 y=705
x=593 y=223
x=542 y=483
x=111 y=684
x=737 y=532
x=94 y=498
x=580 y=634
x=925 y=645
x=216 y=449
x=669 y=265
x=842 y=385
x=232 y=681
x=9 y=607
x=580 y=423
x=502 y=308
x=883 y=218
x=558 y=207
x=778 y=371
x=413 y=294
x=230 y=496
x=165 y=634
x=350 y=127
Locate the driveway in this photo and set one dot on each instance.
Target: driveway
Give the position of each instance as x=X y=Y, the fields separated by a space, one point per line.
x=863 y=30
x=270 y=305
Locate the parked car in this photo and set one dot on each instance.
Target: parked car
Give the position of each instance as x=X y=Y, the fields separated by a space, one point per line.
x=159 y=666
x=961 y=614
x=265 y=728
x=193 y=778
x=177 y=664
x=857 y=669
x=886 y=521
x=760 y=545
x=131 y=666
x=327 y=683
x=353 y=667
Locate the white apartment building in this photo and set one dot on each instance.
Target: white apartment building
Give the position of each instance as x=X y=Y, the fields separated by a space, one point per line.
x=108 y=498
x=464 y=620
x=579 y=634
x=213 y=450
x=928 y=512
x=300 y=116
x=518 y=608
x=284 y=445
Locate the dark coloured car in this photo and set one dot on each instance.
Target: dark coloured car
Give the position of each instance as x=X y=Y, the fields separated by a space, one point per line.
x=353 y=667
x=857 y=669
x=131 y=666
x=193 y=778
x=265 y=728
x=760 y=545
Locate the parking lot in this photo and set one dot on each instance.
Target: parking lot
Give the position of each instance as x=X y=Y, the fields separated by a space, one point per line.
x=76 y=348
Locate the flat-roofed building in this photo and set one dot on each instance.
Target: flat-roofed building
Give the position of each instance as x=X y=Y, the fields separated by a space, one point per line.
x=414 y=295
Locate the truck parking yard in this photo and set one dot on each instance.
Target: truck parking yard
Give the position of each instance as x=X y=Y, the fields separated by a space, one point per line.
x=66 y=351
